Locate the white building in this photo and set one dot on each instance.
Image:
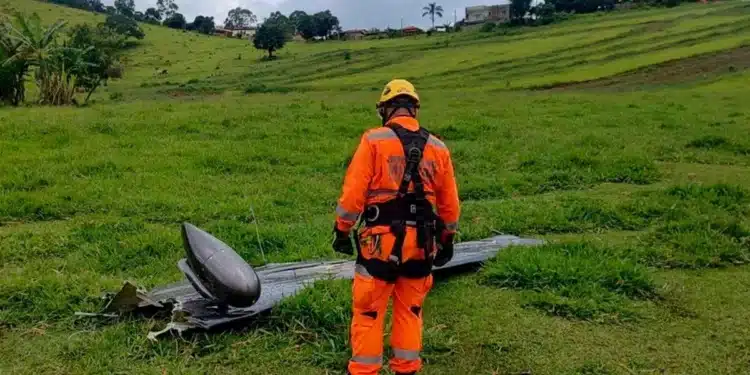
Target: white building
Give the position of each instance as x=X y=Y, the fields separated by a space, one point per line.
x=484 y=13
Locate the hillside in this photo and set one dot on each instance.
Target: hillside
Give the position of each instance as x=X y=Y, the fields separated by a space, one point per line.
x=620 y=138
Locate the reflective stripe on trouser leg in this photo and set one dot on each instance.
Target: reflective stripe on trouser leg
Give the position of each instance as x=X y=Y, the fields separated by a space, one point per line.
x=407 y=355
x=406 y=337
x=369 y=302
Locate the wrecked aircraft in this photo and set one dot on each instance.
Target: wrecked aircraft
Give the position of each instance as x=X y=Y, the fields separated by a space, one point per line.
x=222 y=290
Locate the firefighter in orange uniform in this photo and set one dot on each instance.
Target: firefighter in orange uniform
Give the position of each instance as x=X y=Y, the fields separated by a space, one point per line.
x=401 y=188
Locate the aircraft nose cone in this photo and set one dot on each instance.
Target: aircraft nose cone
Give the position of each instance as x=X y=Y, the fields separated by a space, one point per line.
x=220 y=269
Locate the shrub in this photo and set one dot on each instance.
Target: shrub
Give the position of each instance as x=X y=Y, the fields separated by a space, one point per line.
x=256 y=88
x=115 y=71
x=708 y=142
x=488 y=27
x=124 y=26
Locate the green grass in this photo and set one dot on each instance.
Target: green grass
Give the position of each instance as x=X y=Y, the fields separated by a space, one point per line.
x=642 y=194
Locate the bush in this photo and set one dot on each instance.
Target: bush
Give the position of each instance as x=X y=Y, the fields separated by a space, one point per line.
x=86 y=60
x=488 y=27
x=115 y=71
x=256 y=88
x=176 y=21
x=708 y=142
x=124 y=26
x=260 y=88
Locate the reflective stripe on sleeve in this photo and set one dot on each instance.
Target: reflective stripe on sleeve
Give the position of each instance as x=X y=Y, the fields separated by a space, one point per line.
x=383 y=133
x=389 y=192
x=346 y=215
x=368 y=360
x=409 y=355
x=436 y=142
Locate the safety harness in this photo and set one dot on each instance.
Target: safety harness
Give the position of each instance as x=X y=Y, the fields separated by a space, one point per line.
x=406 y=210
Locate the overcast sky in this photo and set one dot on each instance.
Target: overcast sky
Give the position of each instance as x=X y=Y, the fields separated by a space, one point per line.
x=351 y=13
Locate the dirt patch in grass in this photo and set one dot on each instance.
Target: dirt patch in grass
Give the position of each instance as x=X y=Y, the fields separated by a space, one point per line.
x=671 y=72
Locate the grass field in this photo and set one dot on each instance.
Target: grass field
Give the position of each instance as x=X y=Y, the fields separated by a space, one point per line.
x=620 y=138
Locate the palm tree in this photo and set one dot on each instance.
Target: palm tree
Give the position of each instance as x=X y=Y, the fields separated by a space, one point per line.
x=433 y=10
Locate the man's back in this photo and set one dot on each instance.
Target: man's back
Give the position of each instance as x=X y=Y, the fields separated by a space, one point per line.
x=377 y=168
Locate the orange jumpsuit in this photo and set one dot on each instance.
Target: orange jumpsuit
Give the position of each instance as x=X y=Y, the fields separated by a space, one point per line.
x=374 y=176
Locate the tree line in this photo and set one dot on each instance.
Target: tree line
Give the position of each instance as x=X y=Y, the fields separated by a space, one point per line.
x=61 y=66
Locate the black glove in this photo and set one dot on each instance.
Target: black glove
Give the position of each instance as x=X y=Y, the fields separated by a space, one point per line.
x=444 y=249
x=341 y=242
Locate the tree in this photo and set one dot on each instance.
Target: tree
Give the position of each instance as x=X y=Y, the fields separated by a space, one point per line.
x=581 y=6
x=544 y=13
x=306 y=27
x=96 y=6
x=277 y=18
x=110 y=10
x=152 y=16
x=91 y=5
x=13 y=68
x=125 y=7
x=124 y=26
x=176 y=21
x=518 y=10
x=37 y=47
x=432 y=9
x=167 y=8
x=239 y=18
x=99 y=60
x=325 y=23
x=295 y=18
x=269 y=37
x=203 y=25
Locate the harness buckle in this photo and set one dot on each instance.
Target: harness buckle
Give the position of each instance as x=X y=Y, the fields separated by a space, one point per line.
x=373 y=217
x=394 y=259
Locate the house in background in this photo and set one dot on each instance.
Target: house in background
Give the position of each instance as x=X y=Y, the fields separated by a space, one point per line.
x=487 y=13
x=411 y=30
x=222 y=32
x=354 y=34
x=246 y=32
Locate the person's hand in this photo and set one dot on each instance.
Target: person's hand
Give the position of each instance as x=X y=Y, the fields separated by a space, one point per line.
x=341 y=242
x=444 y=249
